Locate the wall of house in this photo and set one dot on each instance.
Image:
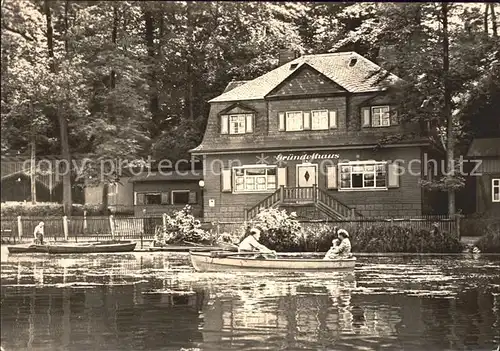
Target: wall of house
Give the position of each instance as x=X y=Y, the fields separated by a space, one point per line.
x=167 y=186
x=402 y=201
x=484 y=204
x=120 y=194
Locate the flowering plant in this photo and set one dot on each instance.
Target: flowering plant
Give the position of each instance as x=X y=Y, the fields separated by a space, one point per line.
x=182 y=226
x=280 y=230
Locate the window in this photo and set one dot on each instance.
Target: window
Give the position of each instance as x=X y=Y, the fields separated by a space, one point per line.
x=254 y=178
x=180 y=197
x=307 y=120
x=495 y=190
x=363 y=175
x=241 y=123
x=237 y=124
x=151 y=198
x=319 y=120
x=377 y=116
x=294 y=121
x=381 y=116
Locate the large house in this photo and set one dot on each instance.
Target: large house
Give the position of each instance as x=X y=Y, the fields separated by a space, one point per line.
x=307 y=136
x=486 y=176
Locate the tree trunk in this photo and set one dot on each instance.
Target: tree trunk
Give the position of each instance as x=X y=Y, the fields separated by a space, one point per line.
x=189 y=64
x=153 y=86
x=493 y=20
x=66 y=25
x=104 y=200
x=450 y=147
x=61 y=118
x=114 y=35
x=33 y=153
x=485 y=18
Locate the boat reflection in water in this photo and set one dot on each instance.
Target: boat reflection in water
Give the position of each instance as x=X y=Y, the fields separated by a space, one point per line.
x=145 y=301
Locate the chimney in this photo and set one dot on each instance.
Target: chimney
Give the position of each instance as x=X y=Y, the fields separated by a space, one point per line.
x=287 y=55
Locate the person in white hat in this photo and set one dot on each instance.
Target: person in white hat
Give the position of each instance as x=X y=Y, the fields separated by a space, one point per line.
x=342 y=249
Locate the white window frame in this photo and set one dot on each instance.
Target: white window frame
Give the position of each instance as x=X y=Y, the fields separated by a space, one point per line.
x=243 y=116
x=381 y=116
x=245 y=176
x=241 y=123
x=495 y=185
x=327 y=126
x=178 y=191
x=286 y=121
x=363 y=187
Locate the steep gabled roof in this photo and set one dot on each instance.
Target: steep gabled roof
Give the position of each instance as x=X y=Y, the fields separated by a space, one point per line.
x=360 y=77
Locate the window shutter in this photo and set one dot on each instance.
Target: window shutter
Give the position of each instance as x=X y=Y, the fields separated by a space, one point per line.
x=394 y=116
x=281 y=172
x=249 y=123
x=192 y=197
x=365 y=115
x=226 y=181
x=393 y=175
x=281 y=117
x=331 y=177
x=224 y=124
x=307 y=120
x=333 y=118
x=140 y=198
x=165 y=198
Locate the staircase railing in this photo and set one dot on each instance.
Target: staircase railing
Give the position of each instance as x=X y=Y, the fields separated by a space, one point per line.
x=335 y=205
x=267 y=202
x=298 y=195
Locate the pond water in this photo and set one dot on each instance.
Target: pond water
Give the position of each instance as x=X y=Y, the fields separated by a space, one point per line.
x=155 y=301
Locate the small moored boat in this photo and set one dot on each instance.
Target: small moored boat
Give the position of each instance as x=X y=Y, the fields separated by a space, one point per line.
x=27 y=249
x=88 y=247
x=230 y=261
x=97 y=247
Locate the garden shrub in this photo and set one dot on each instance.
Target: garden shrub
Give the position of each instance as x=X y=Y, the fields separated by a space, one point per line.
x=280 y=231
x=490 y=242
x=182 y=226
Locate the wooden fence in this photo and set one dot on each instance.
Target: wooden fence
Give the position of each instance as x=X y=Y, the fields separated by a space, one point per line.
x=144 y=228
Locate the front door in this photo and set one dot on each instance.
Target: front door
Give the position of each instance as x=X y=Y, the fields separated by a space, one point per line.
x=307 y=175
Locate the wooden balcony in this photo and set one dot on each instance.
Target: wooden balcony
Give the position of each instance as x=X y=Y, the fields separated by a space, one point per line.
x=297 y=196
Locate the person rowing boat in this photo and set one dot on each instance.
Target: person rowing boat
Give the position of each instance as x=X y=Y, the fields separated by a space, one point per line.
x=251 y=243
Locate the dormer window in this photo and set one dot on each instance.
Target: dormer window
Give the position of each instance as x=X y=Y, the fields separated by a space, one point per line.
x=241 y=123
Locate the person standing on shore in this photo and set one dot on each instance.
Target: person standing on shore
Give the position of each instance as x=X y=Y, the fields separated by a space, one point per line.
x=38 y=233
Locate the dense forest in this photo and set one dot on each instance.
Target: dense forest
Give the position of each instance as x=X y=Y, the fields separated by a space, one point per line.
x=132 y=78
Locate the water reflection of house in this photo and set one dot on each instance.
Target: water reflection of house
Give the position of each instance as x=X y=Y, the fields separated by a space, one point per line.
x=296 y=313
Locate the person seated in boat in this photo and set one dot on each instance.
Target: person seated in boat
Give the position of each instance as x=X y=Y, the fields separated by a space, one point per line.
x=251 y=243
x=38 y=233
x=341 y=247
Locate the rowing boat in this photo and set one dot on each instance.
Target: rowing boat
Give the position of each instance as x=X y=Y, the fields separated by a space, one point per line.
x=27 y=249
x=89 y=247
x=216 y=262
x=97 y=247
